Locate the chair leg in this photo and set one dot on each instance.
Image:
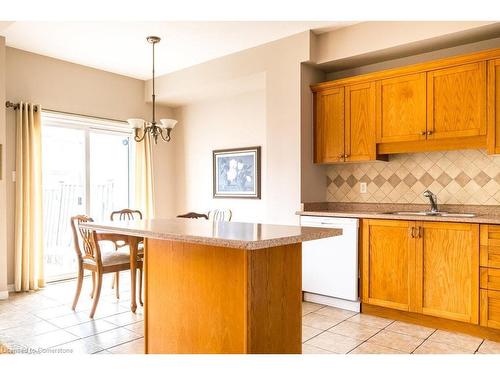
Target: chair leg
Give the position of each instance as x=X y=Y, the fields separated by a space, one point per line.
x=97 y=294
x=113 y=281
x=140 y=286
x=117 y=290
x=78 y=287
x=93 y=285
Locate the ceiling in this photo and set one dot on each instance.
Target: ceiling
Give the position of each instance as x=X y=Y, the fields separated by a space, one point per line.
x=121 y=47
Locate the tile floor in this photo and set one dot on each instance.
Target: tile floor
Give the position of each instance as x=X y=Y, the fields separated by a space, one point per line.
x=43 y=322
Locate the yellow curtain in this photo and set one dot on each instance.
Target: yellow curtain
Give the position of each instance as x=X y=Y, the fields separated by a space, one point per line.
x=144 y=189
x=28 y=232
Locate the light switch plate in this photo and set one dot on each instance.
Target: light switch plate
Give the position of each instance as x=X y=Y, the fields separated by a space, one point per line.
x=13 y=176
x=362 y=187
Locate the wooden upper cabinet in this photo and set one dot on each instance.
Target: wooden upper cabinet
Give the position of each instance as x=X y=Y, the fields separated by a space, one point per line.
x=329 y=126
x=388 y=263
x=401 y=108
x=456 y=101
x=360 y=122
x=494 y=106
x=447 y=270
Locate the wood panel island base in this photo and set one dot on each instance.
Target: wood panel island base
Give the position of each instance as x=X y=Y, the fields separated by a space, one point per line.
x=221 y=287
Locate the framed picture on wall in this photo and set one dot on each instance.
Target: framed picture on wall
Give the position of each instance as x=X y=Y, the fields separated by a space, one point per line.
x=236 y=173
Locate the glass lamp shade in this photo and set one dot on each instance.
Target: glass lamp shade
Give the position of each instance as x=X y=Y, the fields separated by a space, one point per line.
x=167 y=123
x=136 y=123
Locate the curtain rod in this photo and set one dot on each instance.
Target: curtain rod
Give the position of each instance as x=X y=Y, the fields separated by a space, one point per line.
x=15 y=106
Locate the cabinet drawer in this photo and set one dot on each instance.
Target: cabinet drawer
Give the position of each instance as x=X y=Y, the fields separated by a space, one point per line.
x=490 y=278
x=490 y=246
x=490 y=308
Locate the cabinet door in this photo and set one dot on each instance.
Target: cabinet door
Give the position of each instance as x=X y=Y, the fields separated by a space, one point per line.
x=360 y=141
x=494 y=107
x=401 y=109
x=490 y=308
x=329 y=125
x=388 y=263
x=448 y=270
x=456 y=101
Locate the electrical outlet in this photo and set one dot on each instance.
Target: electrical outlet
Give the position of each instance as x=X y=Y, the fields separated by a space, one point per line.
x=362 y=187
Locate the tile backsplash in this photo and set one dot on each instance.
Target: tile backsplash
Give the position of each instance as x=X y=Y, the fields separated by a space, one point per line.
x=457 y=177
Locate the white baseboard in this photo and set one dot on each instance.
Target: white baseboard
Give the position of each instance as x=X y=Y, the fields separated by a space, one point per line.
x=334 y=302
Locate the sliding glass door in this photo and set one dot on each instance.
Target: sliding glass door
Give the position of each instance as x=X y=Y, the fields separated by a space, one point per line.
x=86 y=170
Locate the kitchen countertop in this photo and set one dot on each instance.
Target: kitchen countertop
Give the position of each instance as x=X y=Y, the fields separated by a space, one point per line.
x=484 y=214
x=249 y=236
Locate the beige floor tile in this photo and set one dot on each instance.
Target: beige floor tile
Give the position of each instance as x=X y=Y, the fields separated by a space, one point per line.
x=309 y=349
x=124 y=318
x=489 y=347
x=137 y=327
x=354 y=330
x=370 y=320
x=70 y=320
x=396 y=341
x=371 y=348
x=470 y=343
x=319 y=321
x=309 y=307
x=114 y=337
x=91 y=328
x=309 y=332
x=334 y=343
x=410 y=329
x=54 y=312
x=335 y=313
x=26 y=330
x=433 y=347
x=132 y=347
x=49 y=339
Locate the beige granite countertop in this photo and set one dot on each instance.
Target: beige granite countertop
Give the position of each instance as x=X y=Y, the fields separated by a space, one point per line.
x=249 y=236
x=484 y=214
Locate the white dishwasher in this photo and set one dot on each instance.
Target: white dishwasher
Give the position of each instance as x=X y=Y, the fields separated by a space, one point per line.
x=330 y=265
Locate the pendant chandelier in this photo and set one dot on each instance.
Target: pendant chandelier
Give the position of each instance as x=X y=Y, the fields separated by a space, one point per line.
x=145 y=128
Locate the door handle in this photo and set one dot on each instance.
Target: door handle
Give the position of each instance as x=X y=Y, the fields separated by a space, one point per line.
x=429 y=132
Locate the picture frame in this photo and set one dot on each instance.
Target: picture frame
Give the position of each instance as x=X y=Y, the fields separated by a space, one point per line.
x=236 y=173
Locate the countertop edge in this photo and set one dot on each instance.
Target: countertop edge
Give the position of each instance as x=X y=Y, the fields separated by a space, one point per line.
x=317 y=233
x=479 y=219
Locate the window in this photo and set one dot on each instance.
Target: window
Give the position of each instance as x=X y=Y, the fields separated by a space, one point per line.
x=87 y=169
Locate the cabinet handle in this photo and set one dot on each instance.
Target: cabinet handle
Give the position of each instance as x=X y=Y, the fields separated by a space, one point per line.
x=346 y=156
x=423 y=133
x=411 y=231
x=429 y=132
x=420 y=232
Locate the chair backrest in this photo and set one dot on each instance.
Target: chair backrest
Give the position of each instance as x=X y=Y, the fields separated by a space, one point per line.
x=126 y=214
x=224 y=214
x=193 y=215
x=86 y=245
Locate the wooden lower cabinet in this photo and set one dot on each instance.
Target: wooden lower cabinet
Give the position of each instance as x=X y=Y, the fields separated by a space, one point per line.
x=447 y=270
x=490 y=308
x=388 y=259
x=425 y=267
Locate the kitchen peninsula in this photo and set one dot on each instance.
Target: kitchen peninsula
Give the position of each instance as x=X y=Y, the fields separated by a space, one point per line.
x=220 y=287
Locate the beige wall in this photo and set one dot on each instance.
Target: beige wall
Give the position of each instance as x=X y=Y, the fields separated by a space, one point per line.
x=229 y=122
x=312 y=175
x=63 y=86
x=227 y=80
x=373 y=36
x=3 y=181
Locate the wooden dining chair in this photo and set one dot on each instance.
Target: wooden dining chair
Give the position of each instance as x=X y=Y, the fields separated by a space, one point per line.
x=224 y=214
x=193 y=215
x=90 y=257
x=128 y=214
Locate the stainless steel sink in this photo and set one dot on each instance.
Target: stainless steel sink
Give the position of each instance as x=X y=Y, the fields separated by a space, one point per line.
x=429 y=213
